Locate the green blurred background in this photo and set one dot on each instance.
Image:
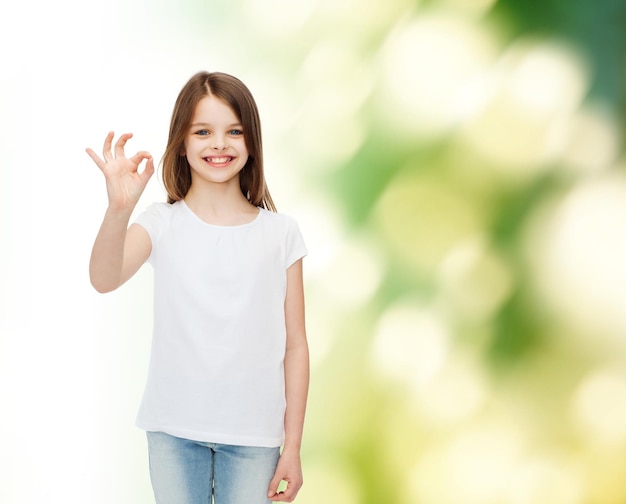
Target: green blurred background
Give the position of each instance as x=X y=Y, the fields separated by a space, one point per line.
x=457 y=168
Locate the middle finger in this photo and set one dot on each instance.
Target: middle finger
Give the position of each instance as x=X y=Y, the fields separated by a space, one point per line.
x=119 y=145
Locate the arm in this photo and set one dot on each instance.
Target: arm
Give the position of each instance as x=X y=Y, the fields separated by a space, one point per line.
x=119 y=251
x=296 y=389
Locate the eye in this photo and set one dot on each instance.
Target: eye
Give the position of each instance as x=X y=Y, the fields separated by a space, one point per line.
x=235 y=132
x=202 y=132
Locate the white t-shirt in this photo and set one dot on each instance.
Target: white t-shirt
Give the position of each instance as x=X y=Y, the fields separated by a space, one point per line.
x=216 y=368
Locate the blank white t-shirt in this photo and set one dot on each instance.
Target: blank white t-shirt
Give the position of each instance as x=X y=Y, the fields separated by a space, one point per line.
x=216 y=368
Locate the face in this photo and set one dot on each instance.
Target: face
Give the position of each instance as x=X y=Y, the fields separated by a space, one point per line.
x=215 y=146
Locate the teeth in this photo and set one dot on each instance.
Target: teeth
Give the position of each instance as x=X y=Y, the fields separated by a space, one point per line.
x=219 y=160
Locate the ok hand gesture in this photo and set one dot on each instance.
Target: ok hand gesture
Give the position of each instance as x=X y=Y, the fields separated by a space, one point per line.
x=124 y=182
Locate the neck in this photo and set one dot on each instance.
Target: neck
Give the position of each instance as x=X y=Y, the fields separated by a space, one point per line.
x=220 y=204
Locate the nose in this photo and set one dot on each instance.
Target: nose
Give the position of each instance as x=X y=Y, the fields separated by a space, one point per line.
x=219 y=143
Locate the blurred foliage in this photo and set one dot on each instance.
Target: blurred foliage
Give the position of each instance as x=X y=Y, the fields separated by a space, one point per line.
x=457 y=167
x=597 y=28
x=463 y=376
x=458 y=171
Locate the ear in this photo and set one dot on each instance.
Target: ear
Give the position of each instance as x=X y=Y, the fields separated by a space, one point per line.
x=182 y=149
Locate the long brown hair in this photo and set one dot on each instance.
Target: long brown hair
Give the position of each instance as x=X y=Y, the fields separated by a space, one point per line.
x=176 y=170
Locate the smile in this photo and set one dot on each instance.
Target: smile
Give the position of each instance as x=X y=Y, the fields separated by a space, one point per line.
x=219 y=160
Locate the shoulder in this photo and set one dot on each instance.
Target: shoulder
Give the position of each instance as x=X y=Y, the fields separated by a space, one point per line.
x=157 y=209
x=278 y=219
x=154 y=215
x=161 y=207
x=284 y=224
x=286 y=227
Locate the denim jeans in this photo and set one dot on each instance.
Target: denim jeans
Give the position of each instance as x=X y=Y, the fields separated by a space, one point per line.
x=190 y=472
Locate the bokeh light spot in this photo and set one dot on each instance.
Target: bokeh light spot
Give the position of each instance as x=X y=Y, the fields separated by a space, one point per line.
x=329 y=480
x=474 y=280
x=546 y=480
x=338 y=82
x=473 y=468
x=522 y=125
x=410 y=344
x=427 y=66
x=545 y=76
x=454 y=396
x=354 y=275
x=423 y=218
x=599 y=408
x=578 y=253
x=593 y=142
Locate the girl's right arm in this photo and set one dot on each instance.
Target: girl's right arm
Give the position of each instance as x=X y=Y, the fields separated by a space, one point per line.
x=119 y=251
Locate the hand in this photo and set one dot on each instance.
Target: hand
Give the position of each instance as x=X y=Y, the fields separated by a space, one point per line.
x=125 y=183
x=289 y=469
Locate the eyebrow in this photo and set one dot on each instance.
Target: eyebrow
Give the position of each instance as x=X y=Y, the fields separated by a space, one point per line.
x=200 y=124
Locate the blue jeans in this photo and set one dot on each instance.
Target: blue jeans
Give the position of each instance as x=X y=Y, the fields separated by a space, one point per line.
x=190 y=472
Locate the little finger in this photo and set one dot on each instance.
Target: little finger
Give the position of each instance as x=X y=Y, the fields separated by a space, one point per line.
x=96 y=159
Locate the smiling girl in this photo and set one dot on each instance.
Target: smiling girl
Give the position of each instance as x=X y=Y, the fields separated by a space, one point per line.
x=229 y=367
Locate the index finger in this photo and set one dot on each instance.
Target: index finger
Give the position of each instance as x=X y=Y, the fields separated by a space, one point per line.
x=287 y=495
x=106 y=148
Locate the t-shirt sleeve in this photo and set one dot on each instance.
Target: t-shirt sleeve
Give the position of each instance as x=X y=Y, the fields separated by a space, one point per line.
x=296 y=249
x=151 y=219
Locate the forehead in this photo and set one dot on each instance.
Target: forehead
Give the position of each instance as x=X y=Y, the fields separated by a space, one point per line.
x=213 y=110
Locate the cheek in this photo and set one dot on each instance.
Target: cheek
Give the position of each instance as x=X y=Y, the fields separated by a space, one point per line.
x=245 y=149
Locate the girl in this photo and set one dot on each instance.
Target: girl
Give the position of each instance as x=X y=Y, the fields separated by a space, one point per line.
x=229 y=367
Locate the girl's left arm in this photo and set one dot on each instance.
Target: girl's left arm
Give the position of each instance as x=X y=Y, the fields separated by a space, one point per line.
x=296 y=389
